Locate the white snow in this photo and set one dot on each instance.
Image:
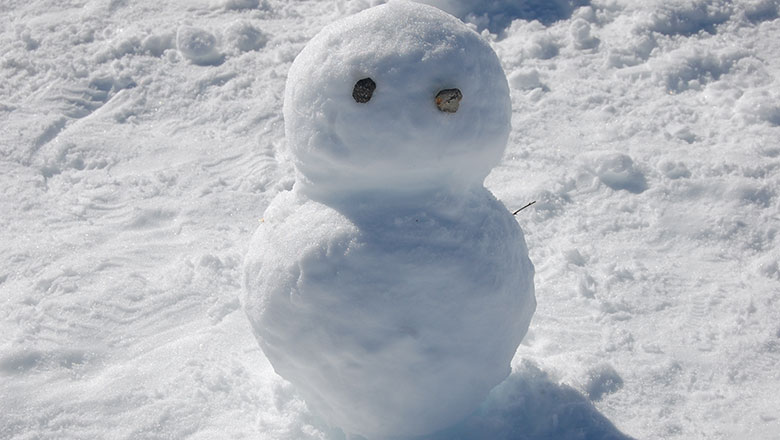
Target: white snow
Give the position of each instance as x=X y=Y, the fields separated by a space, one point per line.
x=131 y=181
x=410 y=284
x=398 y=141
x=198 y=45
x=378 y=316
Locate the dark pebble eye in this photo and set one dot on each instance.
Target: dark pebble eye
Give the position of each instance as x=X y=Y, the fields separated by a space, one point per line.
x=448 y=100
x=363 y=90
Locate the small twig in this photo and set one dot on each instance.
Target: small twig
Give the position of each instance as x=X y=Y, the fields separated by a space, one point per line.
x=515 y=213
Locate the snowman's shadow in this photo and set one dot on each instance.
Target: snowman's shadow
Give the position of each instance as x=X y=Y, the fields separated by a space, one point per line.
x=529 y=406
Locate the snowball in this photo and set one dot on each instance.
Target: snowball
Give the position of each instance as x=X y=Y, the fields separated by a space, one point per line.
x=399 y=139
x=198 y=46
x=394 y=322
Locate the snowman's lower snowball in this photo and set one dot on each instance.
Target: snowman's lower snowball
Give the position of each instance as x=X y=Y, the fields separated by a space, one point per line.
x=398 y=331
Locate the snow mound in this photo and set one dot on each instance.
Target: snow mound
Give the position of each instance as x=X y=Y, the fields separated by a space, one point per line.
x=198 y=45
x=398 y=139
x=244 y=37
x=617 y=171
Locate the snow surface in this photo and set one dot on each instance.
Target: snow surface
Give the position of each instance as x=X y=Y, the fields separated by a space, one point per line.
x=133 y=177
x=396 y=304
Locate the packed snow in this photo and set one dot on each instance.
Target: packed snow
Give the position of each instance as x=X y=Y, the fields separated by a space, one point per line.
x=409 y=285
x=141 y=143
x=398 y=141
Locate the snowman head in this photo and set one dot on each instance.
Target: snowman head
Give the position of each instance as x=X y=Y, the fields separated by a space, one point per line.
x=397 y=99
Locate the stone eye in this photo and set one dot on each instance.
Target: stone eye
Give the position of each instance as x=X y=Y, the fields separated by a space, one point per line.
x=448 y=100
x=363 y=90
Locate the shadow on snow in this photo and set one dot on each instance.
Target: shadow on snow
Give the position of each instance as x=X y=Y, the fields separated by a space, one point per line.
x=497 y=15
x=530 y=406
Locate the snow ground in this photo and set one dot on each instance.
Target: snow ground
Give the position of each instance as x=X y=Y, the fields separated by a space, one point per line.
x=141 y=141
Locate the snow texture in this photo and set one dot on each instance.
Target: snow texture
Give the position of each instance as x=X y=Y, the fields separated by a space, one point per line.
x=132 y=180
x=396 y=299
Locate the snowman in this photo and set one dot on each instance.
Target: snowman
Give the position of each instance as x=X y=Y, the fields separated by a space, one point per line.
x=389 y=286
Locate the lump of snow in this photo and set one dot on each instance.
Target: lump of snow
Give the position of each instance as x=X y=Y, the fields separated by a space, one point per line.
x=637 y=50
x=689 y=18
x=602 y=380
x=684 y=134
x=749 y=192
x=237 y=5
x=198 y=45
x=543 y=47
x=617 y=171
x=759 y=106
x=580 y=32
x=389 y=286
x=244 y=37
x=687 y=68
x=674 y=169
x=156 y=45
x=769 y=267
x=30 y=43
x=525 y=79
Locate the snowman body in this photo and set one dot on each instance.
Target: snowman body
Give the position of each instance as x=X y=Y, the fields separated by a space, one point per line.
x=389 y=286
